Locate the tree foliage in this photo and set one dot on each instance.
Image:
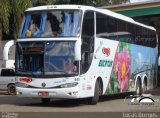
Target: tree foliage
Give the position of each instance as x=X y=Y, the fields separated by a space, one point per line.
x=11 y=12
x=17 y=10
x=98 y=3
x=5 y=15
x=42 y=2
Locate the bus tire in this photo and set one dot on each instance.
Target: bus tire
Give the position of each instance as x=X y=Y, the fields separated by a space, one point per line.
x=11 y=89
x=45 y=100
x=144 y=89
x=94 y=100
x=138 y=88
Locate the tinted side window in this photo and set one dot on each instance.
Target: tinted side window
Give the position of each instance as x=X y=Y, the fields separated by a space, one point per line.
x=88 y=25
x=7 y=72
x=112 y=25
x=106 y=26
x=112 y=28
x=101 y=25
x=145 y=37
x=125 y=31
x=87 y=48
x=117 y=29
x=153 y=39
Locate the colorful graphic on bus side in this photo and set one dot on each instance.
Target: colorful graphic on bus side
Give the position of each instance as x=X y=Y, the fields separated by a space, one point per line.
x=121 y=70
x=131 y=60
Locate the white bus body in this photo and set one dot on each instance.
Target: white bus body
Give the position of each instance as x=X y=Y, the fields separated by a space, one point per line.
x=107 y=53
x=7 y=54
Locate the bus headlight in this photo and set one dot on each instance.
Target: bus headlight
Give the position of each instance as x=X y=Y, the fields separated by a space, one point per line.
x=68 y=85
x=18 y=84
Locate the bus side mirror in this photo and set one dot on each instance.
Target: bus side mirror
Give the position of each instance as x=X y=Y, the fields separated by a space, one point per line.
x=159 y=61
x=77 y=49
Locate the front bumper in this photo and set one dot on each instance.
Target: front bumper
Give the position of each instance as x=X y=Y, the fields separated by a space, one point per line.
x=69 y=93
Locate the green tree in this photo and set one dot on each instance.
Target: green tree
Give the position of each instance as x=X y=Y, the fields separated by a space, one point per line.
x=57 y=2
x=42 y=2
x=98 y=3
x=4 y=17
x=115 y=2
x=84 y=2
x=11 y=12
x=16 y=14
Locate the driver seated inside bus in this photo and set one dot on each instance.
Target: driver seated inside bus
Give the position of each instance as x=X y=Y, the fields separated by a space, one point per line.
x=31 y=30
x=69 y=66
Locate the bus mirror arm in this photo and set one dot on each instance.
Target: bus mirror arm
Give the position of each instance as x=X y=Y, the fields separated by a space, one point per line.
x=77 y=55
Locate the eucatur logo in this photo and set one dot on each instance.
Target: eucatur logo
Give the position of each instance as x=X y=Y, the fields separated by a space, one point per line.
x=106 y=51
x=43 y=85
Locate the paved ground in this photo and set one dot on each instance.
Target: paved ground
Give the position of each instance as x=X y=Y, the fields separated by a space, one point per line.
x=114 y=103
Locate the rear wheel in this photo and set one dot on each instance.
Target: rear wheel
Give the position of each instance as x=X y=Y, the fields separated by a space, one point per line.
x=97 y=92
x=45 y=100
x=144 y=89
x=11 y=89
x=138 y=88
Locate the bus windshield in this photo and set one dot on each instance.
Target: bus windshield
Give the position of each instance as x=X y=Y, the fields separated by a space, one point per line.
x=46 y=59
x=59 y=23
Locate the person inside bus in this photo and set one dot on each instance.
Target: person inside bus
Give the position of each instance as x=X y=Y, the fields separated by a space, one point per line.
x=54 y=24
x=31 y=30
x=51 y=27
x=48 y=27
x=69 y=66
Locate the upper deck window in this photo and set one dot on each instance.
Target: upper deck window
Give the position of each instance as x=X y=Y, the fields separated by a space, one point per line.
x=59 y=23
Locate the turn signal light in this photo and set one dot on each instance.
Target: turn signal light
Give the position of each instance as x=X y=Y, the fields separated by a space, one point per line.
x=27 y=80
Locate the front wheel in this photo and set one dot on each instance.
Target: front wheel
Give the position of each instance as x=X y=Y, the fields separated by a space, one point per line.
x=11 y=89
x=94 y=100
x=45 y=100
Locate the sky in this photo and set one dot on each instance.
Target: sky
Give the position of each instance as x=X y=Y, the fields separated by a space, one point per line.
x=132 y=1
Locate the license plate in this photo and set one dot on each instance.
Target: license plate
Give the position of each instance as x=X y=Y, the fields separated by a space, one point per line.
x=43 y=93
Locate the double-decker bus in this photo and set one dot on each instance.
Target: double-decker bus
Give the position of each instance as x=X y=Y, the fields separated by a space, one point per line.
x=72 y=51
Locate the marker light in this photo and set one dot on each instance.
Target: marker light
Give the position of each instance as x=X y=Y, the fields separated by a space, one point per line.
x=27 y=80
x=68 y=85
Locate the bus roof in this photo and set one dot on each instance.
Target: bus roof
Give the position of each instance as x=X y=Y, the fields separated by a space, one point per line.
x=84 y=8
